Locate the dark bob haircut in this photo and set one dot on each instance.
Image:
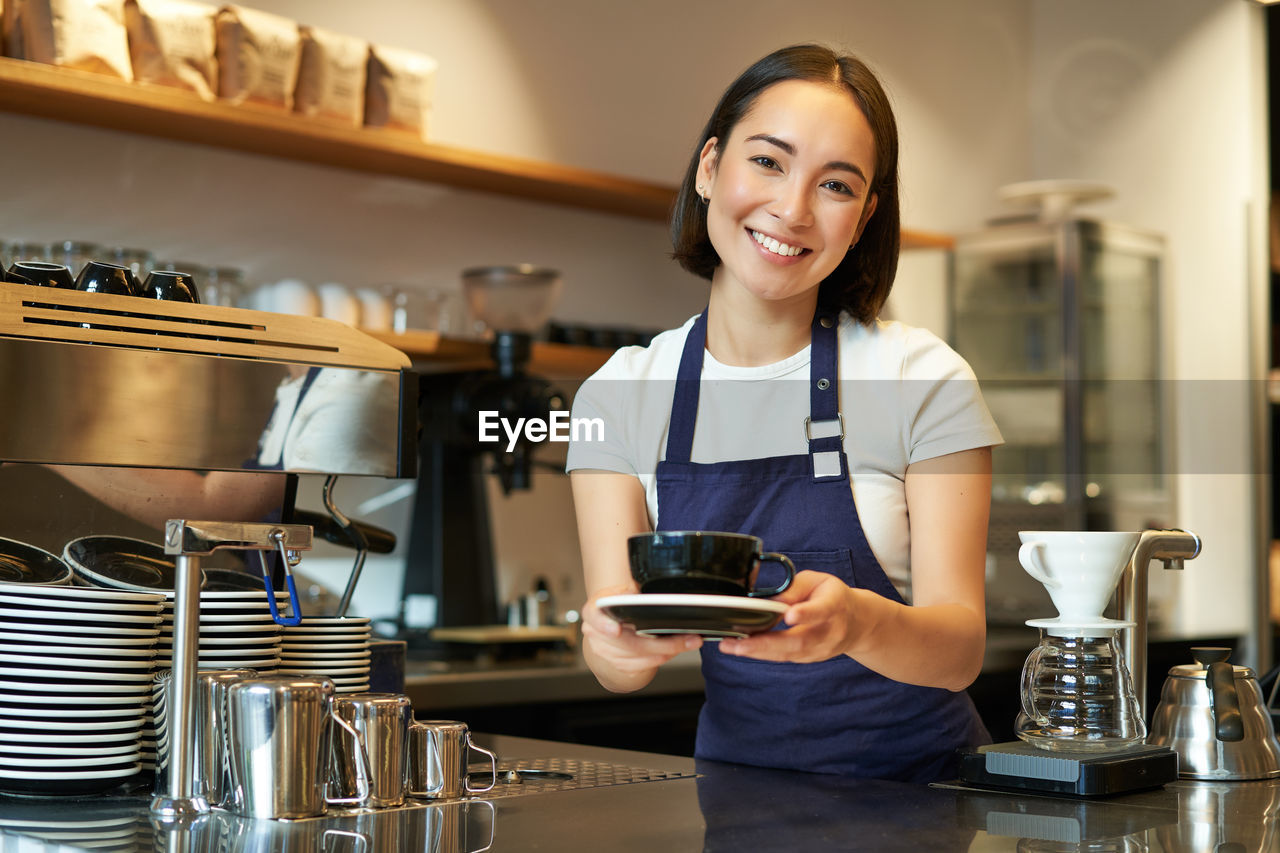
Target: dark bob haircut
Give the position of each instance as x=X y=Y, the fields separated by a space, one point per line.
x=861 y=283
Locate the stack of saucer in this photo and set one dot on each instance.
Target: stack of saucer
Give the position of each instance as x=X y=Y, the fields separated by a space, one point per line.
x=75 y=673
x=236 y=632
x=337 y=647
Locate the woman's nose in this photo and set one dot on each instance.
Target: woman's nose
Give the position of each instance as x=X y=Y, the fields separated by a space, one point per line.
x=794 y=205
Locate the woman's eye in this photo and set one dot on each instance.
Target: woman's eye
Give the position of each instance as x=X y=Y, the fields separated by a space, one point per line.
x=838 y=187
x=766 y=162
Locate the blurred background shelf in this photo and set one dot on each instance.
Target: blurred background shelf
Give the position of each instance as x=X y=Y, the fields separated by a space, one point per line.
x=97 y=100
x=435 y=352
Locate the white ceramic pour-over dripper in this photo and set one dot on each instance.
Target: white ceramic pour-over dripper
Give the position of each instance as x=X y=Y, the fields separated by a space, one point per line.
x=1080 y=569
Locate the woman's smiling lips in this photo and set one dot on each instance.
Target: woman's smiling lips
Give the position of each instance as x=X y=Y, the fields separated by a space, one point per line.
x=774 y=246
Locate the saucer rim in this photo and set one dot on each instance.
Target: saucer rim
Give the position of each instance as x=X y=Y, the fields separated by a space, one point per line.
x=687 y=599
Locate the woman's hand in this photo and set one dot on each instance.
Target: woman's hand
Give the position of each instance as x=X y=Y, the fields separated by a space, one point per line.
x=823 y=622
x=629 y=656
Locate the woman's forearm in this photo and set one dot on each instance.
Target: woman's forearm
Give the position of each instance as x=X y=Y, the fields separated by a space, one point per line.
x=940 y=645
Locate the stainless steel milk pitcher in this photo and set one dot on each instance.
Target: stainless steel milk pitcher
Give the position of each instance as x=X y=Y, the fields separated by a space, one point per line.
x=279 y=730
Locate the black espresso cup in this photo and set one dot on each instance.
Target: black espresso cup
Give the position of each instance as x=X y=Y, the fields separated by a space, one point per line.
x=171 y=286
x=704 y=562
x=40 y=273
x=102 y=277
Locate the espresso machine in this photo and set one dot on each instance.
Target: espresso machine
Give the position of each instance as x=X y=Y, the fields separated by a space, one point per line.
x=450 y=552
x=1082 y=729
x=110 y=381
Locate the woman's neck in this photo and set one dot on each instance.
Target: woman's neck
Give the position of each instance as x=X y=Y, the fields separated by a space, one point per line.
x=745 y=331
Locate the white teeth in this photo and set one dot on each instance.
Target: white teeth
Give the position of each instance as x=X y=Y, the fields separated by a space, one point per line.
x=774 y=246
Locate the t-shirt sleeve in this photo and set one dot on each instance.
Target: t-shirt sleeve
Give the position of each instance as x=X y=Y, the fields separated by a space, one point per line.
x=945 y=408
x=600 y=413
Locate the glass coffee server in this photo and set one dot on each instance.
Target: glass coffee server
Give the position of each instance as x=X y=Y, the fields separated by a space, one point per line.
x=1059 y=318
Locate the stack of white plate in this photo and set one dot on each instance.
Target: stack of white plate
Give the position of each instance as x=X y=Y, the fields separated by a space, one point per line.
x=335 y=646
x=236 y=632
x=75 y=676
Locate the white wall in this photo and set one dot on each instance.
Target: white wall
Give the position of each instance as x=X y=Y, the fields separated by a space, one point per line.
x=1161 y=101
x=1153 y=96
x=622 y=88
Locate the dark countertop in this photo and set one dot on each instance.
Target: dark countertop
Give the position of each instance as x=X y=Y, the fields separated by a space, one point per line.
x=721 y=808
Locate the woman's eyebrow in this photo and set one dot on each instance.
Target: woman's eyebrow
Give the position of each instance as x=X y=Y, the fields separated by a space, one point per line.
x=790 y=149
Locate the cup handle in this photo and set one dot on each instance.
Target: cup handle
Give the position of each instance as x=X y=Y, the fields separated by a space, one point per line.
x=786 y=564
x=493 y=764
x=493 y=818
x=1030 y=556
x=363 y=770
x=360 y=841
x=1028 y=668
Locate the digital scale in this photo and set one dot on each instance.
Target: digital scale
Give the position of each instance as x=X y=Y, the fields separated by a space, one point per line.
x=1020 y=766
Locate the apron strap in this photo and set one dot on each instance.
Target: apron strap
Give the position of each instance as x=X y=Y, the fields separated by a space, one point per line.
x=684 y=407
x=824 y=428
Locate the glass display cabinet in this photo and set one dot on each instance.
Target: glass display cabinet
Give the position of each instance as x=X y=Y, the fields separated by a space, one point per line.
x=1060 y=322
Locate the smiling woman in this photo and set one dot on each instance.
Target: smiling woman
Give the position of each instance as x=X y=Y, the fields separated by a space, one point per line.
x=787 y=410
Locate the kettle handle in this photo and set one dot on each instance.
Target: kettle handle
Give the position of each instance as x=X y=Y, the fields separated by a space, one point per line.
x=1220 y=676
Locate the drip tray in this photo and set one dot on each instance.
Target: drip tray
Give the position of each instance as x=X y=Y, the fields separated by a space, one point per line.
x=520 y=777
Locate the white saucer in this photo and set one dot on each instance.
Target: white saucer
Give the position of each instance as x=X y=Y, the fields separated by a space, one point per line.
x=84 y=643
x=82 y=593
x=714 y=617
x=95 y=633
x=79 y=618
x=46 y=688
x=1062 y=627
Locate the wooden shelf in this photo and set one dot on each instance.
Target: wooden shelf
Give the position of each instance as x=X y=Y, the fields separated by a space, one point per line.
x=437 y=353
x=97 y=100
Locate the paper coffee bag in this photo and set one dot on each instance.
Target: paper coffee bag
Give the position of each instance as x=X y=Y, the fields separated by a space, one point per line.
x=11 y=29
x=400 y=89
x=84 y=34
x=173 y=43
x=331 y=76
x=257 y=57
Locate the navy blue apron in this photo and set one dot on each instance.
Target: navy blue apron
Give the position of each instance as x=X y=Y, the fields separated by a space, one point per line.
x=835 y=716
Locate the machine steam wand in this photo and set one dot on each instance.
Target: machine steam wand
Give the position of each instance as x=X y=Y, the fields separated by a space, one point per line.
x=188 y=541
x=1172 y=547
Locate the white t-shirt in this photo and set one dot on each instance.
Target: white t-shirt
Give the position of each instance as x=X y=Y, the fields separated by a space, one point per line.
x=904 y=396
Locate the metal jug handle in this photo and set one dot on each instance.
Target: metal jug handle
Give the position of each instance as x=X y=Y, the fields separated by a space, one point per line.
x=492 y=820
x=364 y=772
x=359 y=839
x=1028 y=668
x=493 y=764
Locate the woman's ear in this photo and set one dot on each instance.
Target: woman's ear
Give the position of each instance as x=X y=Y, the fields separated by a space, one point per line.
x=864 y=219
x=707 y=167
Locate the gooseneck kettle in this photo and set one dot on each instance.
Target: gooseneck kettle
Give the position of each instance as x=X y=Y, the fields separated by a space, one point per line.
x=1213 y=714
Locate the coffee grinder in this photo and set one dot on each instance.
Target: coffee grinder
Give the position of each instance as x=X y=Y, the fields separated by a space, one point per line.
x=450 y=554
x=1083 y=727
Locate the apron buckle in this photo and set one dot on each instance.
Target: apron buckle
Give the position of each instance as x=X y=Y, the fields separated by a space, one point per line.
x=808 y=432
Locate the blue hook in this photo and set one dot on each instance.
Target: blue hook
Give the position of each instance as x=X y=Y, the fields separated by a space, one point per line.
x=287 y=621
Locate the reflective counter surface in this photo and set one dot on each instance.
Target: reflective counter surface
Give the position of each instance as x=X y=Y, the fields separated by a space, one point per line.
x=649 y=802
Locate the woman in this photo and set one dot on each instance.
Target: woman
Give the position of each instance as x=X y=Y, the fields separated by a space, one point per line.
x=860 y=448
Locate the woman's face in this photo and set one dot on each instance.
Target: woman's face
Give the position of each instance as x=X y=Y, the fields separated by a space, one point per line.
x=789 y=190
